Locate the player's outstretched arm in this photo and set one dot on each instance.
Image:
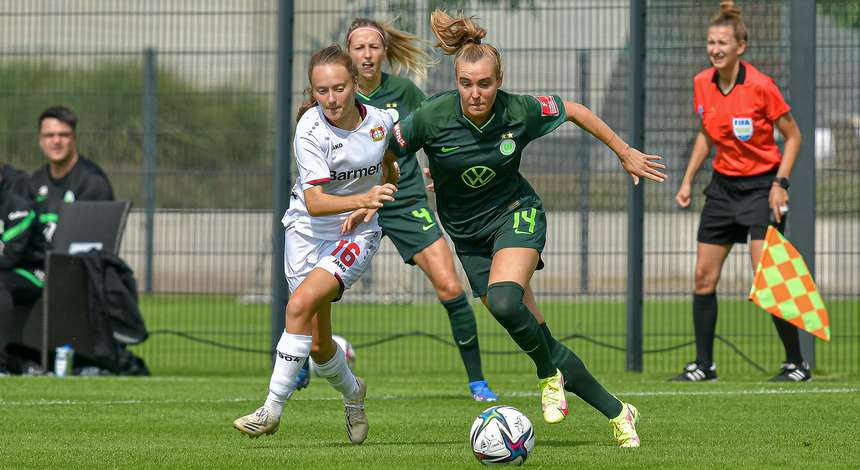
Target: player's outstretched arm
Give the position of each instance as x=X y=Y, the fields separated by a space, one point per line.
x=636 y=163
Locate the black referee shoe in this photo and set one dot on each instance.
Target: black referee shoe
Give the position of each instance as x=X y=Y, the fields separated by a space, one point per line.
x=793 y=373
x=694 y=372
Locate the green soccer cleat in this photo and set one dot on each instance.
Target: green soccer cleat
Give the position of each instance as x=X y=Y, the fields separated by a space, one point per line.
x=552 y=400
x=624 y=426
x=254 y=425
x=356 y=418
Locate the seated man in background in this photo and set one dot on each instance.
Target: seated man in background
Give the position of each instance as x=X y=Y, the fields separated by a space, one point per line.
x=67 y=176
x=22 y=250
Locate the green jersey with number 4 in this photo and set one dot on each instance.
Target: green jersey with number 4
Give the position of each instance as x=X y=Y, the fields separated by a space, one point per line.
x=475 y=169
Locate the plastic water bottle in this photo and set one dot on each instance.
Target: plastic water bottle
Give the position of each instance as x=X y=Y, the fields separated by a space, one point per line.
x=63 y=360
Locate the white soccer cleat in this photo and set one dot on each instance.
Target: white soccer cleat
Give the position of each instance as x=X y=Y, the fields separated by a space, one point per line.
x=254 y=425
x=356 y=418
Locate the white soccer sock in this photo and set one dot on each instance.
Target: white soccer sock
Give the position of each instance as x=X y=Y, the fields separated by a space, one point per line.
x=337 y=372
x=290 y=356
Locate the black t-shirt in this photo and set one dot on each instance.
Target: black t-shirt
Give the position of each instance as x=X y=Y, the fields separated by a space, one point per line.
x=17 y=180
x=85 y=182
x=22 y=246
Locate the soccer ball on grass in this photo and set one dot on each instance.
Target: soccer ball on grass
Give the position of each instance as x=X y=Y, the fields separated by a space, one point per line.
x=502 y=435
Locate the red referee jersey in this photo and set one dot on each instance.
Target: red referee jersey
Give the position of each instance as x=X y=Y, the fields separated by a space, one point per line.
x=740 y=123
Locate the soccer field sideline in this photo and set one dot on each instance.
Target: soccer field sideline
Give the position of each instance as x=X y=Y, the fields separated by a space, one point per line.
x=430 y=396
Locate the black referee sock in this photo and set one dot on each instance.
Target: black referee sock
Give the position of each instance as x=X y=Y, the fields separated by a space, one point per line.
x=790 y=337
x=465 y=332
x=505 y=300
x=705 y=325
x=578 y=380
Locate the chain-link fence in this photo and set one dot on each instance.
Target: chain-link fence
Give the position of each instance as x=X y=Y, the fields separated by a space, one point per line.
x=211 y=69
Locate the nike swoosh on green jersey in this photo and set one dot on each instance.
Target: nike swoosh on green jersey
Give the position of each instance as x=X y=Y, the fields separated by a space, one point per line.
x=428 y=227
x=463 y=343
x=448 y=149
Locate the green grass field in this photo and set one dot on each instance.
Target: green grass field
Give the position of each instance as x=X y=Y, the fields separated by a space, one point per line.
x=419 y=421
x=595 y=329
x=418 y=406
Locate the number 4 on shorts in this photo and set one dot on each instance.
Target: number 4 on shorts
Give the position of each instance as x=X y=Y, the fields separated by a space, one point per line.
x=424 y=214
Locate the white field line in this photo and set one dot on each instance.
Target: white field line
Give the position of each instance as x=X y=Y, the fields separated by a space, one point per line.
x=656 y=394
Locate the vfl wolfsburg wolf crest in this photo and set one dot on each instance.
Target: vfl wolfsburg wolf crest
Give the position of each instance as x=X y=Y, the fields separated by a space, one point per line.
x=478 y=176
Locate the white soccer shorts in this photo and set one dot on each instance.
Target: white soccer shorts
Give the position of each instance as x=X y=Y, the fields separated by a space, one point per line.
x=346 y=259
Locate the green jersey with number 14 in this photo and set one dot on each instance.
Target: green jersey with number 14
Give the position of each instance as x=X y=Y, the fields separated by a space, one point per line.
x=475 y=169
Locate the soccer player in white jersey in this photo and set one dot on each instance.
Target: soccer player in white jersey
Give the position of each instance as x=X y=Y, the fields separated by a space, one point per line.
x=332 y=233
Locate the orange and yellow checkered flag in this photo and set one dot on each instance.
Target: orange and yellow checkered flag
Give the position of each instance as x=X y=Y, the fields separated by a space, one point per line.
x=784 y=287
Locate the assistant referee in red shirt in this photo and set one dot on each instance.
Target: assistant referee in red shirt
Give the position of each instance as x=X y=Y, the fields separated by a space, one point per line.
x=738 y=106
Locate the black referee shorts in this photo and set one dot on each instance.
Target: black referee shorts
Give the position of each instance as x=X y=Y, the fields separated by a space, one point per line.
x=736 y=207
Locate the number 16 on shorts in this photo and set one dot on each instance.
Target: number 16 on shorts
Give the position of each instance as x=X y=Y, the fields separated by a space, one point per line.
x=345 y=259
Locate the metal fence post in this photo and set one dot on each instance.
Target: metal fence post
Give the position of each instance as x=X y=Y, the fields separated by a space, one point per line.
x=281 y=180
x=636 y=194
x=150 y=112
x=584 y=160
x=802 y=218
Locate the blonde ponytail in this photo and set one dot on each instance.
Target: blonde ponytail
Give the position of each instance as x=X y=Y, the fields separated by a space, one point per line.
x=462 y=38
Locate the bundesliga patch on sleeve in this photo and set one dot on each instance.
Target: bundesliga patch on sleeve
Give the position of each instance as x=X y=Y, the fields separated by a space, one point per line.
x=548 y=107
x=398 y=134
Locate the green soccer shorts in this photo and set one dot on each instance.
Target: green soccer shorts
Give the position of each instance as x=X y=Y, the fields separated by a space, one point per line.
x=519 y=228
x=411 y=228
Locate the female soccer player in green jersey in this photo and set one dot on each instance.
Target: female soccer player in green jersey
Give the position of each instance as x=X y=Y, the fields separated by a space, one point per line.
x=408 y=221
x=473 y=137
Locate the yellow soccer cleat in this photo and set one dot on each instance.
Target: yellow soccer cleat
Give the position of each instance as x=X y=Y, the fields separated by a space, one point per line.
x=254 y=425
x=624 y=426
x=356 y=419
x=552 y=400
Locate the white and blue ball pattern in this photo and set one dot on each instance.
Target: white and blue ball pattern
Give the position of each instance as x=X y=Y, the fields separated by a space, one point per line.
x=502 y=435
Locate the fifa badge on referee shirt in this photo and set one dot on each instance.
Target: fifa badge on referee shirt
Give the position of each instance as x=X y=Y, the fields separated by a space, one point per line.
x=743 y=128
x=377 y=133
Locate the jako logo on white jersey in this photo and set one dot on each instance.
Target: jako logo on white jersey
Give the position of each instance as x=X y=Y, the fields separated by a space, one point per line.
x=357 y=173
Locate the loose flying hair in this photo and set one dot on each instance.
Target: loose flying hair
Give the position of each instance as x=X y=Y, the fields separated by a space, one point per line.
x=60 y=113
x=461 y=37
x=402 y=49
x=730 y=15
x=332 y=54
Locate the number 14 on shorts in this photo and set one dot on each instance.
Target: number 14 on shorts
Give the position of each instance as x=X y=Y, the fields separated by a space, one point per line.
x=525 y=220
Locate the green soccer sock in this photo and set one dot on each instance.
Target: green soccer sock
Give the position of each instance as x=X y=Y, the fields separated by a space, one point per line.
x=465 y=332
x=578 y=380
x=505 y=300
